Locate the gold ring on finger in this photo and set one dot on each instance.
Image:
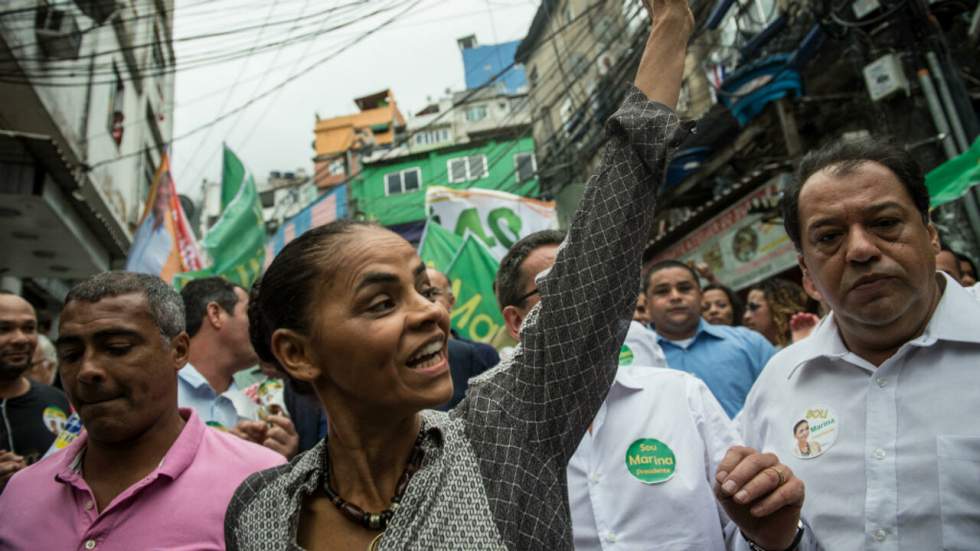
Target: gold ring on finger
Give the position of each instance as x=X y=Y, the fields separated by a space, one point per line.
x=782 y=477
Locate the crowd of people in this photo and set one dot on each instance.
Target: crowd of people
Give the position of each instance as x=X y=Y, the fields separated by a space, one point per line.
x=330 y=406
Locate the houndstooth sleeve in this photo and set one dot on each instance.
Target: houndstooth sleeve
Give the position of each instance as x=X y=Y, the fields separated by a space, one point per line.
x=558 y=377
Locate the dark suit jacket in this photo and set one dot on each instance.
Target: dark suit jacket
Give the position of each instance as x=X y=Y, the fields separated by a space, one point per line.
x=487 y=353
x=465 y=361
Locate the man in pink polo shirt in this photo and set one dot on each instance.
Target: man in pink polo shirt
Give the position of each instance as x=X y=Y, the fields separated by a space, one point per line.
x=145 y=475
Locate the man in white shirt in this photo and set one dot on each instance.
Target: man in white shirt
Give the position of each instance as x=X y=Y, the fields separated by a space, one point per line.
x=642 y=476
x=217 y=322
x=876 y=410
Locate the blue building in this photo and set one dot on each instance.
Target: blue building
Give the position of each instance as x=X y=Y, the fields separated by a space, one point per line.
x=482 y=63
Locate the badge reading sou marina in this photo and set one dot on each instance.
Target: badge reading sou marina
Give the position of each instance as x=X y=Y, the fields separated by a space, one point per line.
x=814 y=432
x=650 y=461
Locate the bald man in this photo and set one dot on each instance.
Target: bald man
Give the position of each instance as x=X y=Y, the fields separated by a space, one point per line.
x=31 y=414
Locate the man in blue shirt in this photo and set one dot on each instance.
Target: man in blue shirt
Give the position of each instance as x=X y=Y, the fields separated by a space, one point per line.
x=217 y=322
x=727 y=359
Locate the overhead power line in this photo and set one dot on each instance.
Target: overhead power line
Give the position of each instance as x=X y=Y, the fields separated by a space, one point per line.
x=268 y=92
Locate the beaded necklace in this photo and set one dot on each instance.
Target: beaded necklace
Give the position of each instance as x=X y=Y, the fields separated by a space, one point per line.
x=378 y=521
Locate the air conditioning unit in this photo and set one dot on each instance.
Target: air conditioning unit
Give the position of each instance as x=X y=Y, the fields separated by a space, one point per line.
x=98 y=10
x=57 y=33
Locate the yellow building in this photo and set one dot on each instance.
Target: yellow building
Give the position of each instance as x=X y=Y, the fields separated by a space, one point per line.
x=342 y=142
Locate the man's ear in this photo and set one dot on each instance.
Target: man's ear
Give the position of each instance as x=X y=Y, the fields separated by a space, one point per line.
x=513 y=318
x=180 y=347
x=293 y=352
x=214 y=315
x=934 y=239
x=808 y=285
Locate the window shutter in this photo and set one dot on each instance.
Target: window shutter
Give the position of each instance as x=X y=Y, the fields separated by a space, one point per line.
x=524 y=166
x=410 y=178
x=477 y=166
x=457 y=170
x=393 y=182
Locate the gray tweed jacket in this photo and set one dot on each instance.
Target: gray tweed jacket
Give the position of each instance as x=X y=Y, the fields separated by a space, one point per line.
x=493 y=476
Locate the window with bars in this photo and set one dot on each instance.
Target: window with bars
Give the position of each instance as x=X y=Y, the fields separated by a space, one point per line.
x=476 y=113
x=467 y=169
x=430 y=137
x=524 y=167
x=403 y=181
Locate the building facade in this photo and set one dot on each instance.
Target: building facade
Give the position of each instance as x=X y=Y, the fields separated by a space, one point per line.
x=87 y=111
x=492 y=64
x=392 y=192
x=766 y=81
x=284 y=194
x=478 y=137
x=342 y=144
x=577 y=55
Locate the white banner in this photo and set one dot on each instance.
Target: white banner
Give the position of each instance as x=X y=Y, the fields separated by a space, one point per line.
x=498 y=219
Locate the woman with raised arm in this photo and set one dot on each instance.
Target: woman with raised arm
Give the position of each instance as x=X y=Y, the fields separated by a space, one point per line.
x=344 y=308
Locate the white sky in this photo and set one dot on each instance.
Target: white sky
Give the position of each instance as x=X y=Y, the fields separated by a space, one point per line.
x=416 y=56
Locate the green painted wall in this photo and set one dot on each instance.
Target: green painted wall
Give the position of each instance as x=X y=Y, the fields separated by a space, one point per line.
x=368 y=189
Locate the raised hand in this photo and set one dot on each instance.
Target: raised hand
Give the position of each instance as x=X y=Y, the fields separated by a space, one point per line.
x=661 y=69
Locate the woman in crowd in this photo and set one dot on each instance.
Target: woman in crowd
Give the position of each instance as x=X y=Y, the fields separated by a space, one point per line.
x=721 y=306
x=346 y=308
x=771 y=305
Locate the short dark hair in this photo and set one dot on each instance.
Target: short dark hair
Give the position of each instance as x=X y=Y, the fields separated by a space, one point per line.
x=283 y=298
x=842 y=158
x=510 y=281
x=198 y=293
x=738 y=307
x=166 y=308
x=666 y=264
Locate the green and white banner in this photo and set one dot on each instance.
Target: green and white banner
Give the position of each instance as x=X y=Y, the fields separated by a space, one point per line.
x=471 y=269
x=496 y=218
x=439 y=246
x=236 y=243
x=476 y=315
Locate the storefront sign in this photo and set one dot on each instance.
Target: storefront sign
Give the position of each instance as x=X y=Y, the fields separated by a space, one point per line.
x=740 y=248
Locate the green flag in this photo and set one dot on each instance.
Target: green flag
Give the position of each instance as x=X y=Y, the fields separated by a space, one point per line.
x=475 y=315
x=439 y=246
x=236 y=243
x=952 y=179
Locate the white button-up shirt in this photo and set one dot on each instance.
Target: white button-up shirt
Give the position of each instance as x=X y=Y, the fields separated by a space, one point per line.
x=893 y=461
x=612 y=509
x=641 y=347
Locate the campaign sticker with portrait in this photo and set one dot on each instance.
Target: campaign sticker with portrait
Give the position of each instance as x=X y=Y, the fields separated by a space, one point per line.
x=54 y=419
x=814 y=432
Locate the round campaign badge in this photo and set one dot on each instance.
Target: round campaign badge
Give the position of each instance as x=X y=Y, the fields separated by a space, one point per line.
x=814 y=432
x=625 y=356
x=54 y=419
x=73 y=427
x=650 y=461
